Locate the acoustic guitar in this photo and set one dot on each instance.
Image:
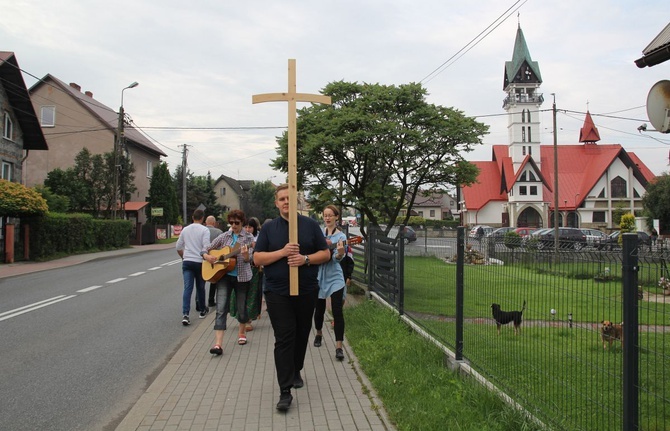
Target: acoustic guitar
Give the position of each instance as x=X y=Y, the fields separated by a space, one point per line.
x=225 y=263
x=349 y=241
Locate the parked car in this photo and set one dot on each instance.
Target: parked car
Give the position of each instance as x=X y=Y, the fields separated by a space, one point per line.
x=409 y=235
x=612 y=240
x=525 y=231
x=498 y=235
x=594 y=236
x=568 y=237
x=480 y=231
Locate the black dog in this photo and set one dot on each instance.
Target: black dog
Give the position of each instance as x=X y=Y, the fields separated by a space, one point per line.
x=504 y=317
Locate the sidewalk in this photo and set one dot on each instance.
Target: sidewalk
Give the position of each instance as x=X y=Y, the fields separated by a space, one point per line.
x=238 y=390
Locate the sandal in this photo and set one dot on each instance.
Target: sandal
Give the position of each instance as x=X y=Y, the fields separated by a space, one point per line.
x=242 y=339
x=248 y=327
x=216 y=350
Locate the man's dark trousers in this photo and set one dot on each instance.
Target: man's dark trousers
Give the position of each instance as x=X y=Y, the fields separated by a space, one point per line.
x=291 y=318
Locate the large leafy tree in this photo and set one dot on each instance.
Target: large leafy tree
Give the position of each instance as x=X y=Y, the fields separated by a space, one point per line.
x=656 y=200
x=162 y=194
x=199 y=190
x=378 y=144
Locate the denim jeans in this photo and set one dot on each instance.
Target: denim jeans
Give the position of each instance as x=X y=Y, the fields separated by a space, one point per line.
x=224 y=288
x=192 y=272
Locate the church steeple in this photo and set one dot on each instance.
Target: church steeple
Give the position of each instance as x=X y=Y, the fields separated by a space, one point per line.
x=589 y=132
x=522 y=81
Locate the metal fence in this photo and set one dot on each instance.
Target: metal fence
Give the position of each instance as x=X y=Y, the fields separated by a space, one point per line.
x=556 y=361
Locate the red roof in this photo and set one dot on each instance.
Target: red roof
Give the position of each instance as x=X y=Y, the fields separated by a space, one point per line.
x=589 y=131
x=580 y=167
x=135 y=206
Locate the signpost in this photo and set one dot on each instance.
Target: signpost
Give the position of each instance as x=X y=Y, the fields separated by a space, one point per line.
x=292 y=97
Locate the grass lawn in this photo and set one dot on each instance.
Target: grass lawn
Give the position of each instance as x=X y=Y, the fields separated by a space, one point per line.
x=417 y=390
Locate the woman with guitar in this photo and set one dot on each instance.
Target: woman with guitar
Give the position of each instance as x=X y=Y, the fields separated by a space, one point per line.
x=229 y=257
x=331 y=282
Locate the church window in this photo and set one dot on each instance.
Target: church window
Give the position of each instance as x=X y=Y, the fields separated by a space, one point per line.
x=523 y=136
x=531 y=176
x=599 y=217
x=602 y=193
x=529 y=138
x=523 y=191
x=530 y=149
x=523 y=116
x=523 y=175
x=618 y=186
x=528 y=114
x=635 y=193
x=523 y=150
x=533 y=190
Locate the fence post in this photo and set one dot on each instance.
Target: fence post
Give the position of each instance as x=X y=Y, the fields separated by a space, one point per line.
x=400 y=270
x=370 y=253
x=460 y=263
x=630 y=340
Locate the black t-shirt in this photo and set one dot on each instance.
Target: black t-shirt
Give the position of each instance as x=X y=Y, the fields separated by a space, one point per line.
x=274 y=236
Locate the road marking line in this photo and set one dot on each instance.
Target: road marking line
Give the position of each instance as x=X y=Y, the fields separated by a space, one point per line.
x=116 y=280
x=88 y=289
x=174 y=262
x=154 y=268
x=137 y=273
x=33 y=307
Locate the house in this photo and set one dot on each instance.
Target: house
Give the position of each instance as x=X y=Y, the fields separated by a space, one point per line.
x=436 y=205
x=72 y=120
x=657 y=51
x=232 y=194
x=518 y=186
x=21 y=132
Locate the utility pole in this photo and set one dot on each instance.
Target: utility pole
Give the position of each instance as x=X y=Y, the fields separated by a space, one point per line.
x=183 y=184
x=117 y=148
x=555 y=177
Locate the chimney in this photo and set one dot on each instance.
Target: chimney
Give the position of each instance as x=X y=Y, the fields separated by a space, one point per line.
x=75 y=86
x=89 y=94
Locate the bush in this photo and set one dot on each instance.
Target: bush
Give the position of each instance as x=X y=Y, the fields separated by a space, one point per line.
x=512 y=239
x=17 y=200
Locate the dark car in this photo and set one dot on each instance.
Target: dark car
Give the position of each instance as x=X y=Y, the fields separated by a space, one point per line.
x=612 y=240
x=568 y=237
x=409 y=235
x=498 y=235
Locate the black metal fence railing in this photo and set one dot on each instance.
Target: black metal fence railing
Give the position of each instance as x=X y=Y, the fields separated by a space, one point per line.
x=545 y=327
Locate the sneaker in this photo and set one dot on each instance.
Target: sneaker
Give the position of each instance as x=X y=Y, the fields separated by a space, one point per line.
x=339 y=354
x=298 y=382
x=317 y=341
x=185 y=320
x=204 y=312
x=285 y=399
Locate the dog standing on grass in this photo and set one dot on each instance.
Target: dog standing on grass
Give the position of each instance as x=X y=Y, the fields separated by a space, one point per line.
x=504 y=317
x=611 y=331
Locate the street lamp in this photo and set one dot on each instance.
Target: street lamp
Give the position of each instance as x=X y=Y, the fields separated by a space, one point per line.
x=118 y=143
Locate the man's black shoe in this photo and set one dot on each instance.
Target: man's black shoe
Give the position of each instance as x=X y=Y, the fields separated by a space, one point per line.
x=285 y=399
x=339 y=354
x=212 y=303
x=298 y=382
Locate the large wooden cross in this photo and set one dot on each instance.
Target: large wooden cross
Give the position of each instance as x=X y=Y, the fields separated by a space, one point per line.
x=292 y=97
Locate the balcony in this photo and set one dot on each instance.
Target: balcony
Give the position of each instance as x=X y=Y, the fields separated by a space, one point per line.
x=513 y=100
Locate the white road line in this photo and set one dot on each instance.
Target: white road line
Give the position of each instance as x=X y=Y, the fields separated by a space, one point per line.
x=116 y=280
x=137 y=273
x=88 y=289
x=33 y=307
x=154 y=268
x=171 y=263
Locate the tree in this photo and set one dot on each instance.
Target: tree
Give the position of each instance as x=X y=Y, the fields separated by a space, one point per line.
x=162 y=194
x=56 y=203
x=377 y=144
x=262 y=200
x=199 y=190
x=17 y=200
x=656 y=200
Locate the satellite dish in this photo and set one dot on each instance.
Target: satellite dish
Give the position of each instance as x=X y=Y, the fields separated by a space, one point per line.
x=658 y=106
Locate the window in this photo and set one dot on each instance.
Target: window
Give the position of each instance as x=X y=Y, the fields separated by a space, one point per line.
x=222 y=191
x=523 y=136
x=523 y=150
x=529 y=138
x=523 y=191
x=528 y=116
x=531 y=176
x=618 y=186
x=523 y=116
x=523 y=176
x=533 y=190
x=7 y=171
x=599 y=217
x=432 y=213
x=602 y=193
x=8 y=131
x=48 y=116
x=420 y=213
x=150 y=168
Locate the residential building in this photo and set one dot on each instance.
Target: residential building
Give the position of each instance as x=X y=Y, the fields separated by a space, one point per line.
x=231 y=193
x=73 y=120
x=21 y=132
x=436 y=205
x=517 y=187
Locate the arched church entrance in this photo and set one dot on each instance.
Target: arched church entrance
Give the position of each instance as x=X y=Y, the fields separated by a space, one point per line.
x=529 y=217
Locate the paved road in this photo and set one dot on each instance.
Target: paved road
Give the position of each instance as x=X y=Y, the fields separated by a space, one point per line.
x=81 y=344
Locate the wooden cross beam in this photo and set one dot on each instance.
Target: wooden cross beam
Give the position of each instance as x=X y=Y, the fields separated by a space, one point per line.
x=292 y=97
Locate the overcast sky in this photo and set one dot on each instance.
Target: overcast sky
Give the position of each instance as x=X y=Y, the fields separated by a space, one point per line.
x=198 y=64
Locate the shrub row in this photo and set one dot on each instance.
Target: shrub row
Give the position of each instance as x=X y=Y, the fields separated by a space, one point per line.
x=56 y=234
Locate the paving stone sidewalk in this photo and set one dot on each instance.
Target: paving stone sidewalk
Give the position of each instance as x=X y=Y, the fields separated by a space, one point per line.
x=238 y=390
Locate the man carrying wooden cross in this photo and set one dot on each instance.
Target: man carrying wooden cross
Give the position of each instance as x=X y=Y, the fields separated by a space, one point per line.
x=290 y=315
x=289 y=248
